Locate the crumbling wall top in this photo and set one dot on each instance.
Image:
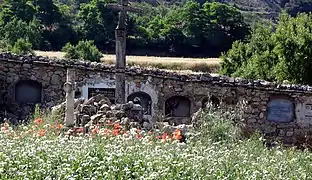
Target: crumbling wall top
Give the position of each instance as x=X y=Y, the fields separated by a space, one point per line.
x=154 y=72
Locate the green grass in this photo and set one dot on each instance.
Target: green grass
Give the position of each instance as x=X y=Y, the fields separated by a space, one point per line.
x=214 y=151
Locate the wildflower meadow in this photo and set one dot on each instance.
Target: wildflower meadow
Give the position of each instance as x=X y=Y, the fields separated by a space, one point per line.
x=45 y=149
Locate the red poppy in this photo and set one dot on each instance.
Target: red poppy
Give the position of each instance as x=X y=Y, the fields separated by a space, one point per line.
x=116 y=126
x=164 y=136
x=42 y=132
x=115 y=132
x=139 y=136
x=38 y=121
x=59 y=126
x=95 y=131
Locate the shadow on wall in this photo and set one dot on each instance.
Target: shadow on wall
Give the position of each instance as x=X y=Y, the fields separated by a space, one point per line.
x=28 y=92
x=25 y=95
x=143 y=99
x=177 y=106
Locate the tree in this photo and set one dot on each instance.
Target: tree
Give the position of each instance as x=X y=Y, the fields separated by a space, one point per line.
x=206 y=29
x=18 y=29
x=283 y=54
x=97 y=22
x=12 y=9
x=47 y=12
x=293 y=7
x=226 y=25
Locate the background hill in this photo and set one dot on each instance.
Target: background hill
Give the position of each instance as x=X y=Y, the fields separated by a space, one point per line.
x=180 y=28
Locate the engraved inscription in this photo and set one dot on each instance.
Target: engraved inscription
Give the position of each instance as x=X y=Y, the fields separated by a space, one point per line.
x=108 y=92
x=280 y=110
x=308 y=110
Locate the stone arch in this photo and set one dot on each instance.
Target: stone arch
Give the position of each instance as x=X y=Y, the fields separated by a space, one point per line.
x=28 y=91
x=143 y=99
x=213 y=99
x=178 y=106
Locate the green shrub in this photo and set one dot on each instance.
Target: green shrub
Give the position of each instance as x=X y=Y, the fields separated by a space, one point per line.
x=83 y=50
x=71 y=51
x=23 y=47
x=275 y=54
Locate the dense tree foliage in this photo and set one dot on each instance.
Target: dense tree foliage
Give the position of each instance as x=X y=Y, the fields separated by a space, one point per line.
x=83 y=50
x=276 y=54
x=170 y=28
x=298 y=6
x=184 y=29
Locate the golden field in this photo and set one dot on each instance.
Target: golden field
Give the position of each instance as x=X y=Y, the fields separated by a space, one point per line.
x=172 y=63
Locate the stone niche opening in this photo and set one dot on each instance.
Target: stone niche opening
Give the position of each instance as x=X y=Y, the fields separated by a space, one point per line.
x=143 y=99
x=177 y=106
x=28 y=91
x=280 y=109
x=213 y=99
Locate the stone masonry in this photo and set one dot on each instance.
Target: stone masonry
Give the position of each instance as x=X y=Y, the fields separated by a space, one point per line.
x=283 y=110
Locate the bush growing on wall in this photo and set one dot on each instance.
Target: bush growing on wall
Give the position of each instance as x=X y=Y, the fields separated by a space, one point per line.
x=83 y=50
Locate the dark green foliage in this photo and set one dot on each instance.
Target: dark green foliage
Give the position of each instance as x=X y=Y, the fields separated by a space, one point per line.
x=298 y=6
x=193 y=29
x=83 y=50
x=23 y=47
x=97 y=23
x=283 y=54
x=184 y=28
x=17 y=29
x=19 y=9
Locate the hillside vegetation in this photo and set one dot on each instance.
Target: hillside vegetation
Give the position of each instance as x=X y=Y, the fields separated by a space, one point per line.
x=270 y=9
x=184 y=28
x=189 y=29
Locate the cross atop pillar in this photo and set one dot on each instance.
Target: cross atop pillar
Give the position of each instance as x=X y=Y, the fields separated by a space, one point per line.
x=120 y=35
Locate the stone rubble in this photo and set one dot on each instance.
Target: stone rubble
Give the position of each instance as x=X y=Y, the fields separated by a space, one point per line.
x=99 y=110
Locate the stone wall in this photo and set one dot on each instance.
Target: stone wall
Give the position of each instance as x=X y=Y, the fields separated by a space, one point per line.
x=277 y=109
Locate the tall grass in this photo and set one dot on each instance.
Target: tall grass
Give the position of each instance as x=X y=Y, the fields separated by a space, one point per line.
x=210 y=65
x=213 y=151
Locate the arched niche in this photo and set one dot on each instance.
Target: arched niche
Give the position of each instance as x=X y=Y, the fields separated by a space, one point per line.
x=28 y=91
x=177 y=106
x=213 y=99
x=143 y=99
x=229 y=101
x=280 y=109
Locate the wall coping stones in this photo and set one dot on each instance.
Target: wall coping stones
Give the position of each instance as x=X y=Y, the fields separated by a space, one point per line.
x=155 y=72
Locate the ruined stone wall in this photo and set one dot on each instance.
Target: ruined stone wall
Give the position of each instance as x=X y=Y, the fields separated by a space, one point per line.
x=277 y=109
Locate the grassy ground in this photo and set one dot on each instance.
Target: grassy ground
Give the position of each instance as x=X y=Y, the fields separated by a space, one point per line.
x=193 y=64
x=41 y=150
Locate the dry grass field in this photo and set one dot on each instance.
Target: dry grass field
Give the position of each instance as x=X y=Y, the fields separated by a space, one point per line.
x=172 y=63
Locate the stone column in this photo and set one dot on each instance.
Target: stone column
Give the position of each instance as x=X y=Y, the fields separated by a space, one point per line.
x=70 y=93
x=120 y=64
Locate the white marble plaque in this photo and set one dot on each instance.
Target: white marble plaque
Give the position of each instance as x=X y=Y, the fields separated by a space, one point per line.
x=304 y=113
